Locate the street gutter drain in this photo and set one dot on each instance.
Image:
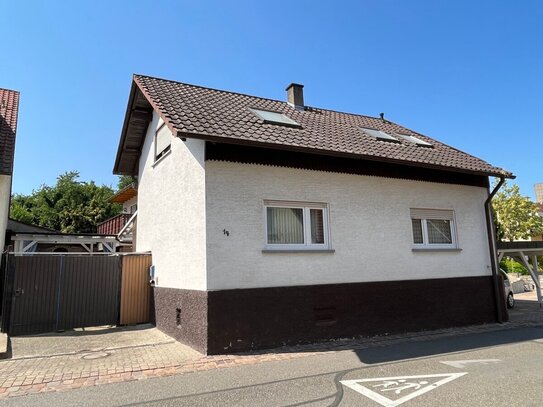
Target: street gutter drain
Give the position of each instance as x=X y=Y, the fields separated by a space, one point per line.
x=95 y=355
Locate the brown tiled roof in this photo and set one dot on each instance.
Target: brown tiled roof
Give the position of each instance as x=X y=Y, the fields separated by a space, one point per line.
x=199 y=112
x=9 y=107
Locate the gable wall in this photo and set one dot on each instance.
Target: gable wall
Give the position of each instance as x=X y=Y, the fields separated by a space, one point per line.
x=171 y=211
x=369 y=223
x=129 y=203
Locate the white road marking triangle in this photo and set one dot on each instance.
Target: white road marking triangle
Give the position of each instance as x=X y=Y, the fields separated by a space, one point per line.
x=461 y=364
x=396 y=385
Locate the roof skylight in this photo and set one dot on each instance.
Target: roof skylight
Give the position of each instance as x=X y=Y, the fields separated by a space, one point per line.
x=414 y=140
x=379 y=135
x=275 y=118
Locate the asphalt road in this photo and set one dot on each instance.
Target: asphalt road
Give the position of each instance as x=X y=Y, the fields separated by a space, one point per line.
x=503 y=368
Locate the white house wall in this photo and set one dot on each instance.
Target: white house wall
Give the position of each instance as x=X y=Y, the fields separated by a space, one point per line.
x=129 y=203
x=370 y=228
x=5 y=191
x=171 y=211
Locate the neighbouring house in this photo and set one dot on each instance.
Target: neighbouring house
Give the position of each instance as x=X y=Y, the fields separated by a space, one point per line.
x=538 y=189
x=273 y=222
x=123 y=225
x=539 y=212
x=9 y=108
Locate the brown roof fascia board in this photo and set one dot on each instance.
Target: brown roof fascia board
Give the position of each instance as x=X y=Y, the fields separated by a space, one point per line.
x=276 y=146
x=132 y=112
x=124 y=130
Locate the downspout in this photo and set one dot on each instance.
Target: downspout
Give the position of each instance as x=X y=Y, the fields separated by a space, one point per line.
x=491 y=230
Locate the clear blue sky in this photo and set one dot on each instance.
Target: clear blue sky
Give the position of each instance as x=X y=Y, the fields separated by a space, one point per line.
x=469 y=73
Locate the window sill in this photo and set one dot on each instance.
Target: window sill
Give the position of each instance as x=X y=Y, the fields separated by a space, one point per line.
x=437 y=249
x=298 y=251
x=166 y=154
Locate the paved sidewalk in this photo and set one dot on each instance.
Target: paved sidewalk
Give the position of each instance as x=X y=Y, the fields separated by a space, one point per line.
x=66 y=360
x=148 y=353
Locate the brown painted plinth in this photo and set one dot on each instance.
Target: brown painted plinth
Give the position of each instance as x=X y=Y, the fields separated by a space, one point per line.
x=228 y=321
x=182 y=314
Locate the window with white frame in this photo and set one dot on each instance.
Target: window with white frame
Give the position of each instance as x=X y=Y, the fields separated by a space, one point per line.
x=163 y=140
x=433 y=229
x=296 y=226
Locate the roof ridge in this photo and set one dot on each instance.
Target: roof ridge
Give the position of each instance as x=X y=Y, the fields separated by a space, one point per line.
x=213 y=89
x=258 y=97
x=10 y=90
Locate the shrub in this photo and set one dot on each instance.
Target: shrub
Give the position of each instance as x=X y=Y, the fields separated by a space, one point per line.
x=513 y=267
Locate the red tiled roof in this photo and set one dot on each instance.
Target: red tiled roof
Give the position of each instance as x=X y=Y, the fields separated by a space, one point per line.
x=199 y=112
x=9 y=107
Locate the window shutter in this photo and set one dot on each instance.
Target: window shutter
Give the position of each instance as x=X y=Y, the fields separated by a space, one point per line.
x=431 y=214
x=163 y=139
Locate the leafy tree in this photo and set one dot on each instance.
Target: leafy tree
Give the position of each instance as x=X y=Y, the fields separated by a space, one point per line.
x=70 y=206
x=516 y=215
x=124 y=181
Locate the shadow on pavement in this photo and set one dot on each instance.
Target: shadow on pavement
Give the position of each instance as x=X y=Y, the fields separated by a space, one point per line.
x=525 y=310
x=89 y=331
x=409 y=350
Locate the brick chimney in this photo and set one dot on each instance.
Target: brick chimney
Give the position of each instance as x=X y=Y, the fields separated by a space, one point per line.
x=295 y=95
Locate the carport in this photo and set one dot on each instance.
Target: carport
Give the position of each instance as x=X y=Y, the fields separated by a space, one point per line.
x=27 y=243
x=526 y=253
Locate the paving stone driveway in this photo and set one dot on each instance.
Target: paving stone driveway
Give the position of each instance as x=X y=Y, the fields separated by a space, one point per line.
x=89 y=357
x=48 y=361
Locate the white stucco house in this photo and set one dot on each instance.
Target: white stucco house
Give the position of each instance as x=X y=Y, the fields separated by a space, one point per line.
x=9 y=109
x=273 y=222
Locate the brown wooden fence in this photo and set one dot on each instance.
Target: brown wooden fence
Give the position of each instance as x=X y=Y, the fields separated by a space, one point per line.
x=46 y=293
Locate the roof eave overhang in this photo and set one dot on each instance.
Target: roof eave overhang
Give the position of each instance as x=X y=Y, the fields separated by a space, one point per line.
x=276 y=146
x=133 y=133
x=125 y=194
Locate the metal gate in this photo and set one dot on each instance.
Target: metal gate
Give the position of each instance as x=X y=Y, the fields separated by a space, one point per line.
x=46 y=293
x=135 y=290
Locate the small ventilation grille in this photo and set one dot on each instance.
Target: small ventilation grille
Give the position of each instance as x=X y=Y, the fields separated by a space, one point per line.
x=325 y=316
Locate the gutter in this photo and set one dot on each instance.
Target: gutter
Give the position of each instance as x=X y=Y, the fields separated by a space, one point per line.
x=491 y=230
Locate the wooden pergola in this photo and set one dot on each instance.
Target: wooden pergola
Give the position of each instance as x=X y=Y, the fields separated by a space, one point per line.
x=526 y=253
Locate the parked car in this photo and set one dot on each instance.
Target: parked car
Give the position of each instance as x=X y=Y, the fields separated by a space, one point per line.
x=508 y=291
